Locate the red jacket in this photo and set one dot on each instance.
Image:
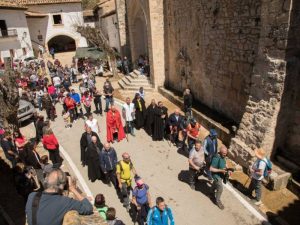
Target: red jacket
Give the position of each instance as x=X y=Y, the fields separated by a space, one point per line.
x=50 y=142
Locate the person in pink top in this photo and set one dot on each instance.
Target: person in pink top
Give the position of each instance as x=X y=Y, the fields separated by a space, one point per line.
x=52 y=91
x=87 y=102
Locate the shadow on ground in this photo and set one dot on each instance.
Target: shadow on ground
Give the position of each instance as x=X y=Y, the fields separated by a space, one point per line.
x=201 y=185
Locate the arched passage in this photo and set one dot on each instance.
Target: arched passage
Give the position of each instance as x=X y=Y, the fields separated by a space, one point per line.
x=62 y=43
x=140 y=40
x=138 y=30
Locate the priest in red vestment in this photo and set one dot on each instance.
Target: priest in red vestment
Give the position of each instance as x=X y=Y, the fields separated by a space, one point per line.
x=114 y=126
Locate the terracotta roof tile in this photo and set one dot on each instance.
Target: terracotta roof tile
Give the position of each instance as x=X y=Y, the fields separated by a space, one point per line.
x=44 y=2
x=11 y=4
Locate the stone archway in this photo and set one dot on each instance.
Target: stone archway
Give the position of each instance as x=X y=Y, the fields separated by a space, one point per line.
x=62 y=43
x=138 y=30
x=140 y=40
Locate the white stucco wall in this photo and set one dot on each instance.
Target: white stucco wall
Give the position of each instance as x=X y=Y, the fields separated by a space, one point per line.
x=71 y=14
x=15 y=19
x=108 y=26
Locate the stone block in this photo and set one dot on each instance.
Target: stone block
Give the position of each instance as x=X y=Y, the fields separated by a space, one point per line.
x=280 y=181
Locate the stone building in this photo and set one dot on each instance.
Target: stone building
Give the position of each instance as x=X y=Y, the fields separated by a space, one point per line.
x=107 y=21
x=14 y=34
x=52 y=23
x=239 y=58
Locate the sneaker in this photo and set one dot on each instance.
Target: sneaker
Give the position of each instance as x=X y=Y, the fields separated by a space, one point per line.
x=109 y=184
x=127 y=208
x=258 y=203
x=192 y=186
x=220 y=205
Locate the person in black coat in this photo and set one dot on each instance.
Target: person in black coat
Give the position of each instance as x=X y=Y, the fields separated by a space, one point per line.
x=149 y=118
x=86 y=139
x=93 y=159
x=187 y=101
x=40 y=123
x=175 y=119
x=140 y=110
x=160 y=122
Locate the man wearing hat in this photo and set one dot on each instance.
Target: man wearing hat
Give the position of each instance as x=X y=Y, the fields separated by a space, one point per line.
x=210 y=146
x=141 y=199
x=257 y=174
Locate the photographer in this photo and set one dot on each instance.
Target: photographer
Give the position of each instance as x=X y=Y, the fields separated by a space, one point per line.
x=196 y=163
x=39 y=204
x=219 y=169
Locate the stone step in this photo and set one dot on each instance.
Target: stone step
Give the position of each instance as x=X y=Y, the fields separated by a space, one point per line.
x=137 y=80
x=137 y=83
x=125 y=86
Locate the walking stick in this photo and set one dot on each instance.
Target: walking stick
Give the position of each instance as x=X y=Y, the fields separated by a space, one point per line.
x=126 y=126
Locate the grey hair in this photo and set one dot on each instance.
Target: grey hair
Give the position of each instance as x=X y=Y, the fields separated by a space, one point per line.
x=58 y=183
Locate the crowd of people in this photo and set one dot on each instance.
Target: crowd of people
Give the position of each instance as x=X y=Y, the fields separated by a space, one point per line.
x=42 y=183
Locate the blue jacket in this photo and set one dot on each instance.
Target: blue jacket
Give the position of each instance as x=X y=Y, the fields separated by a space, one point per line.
x=155 y=218
x=76 y=97
x=210 y=146
x=108 y=159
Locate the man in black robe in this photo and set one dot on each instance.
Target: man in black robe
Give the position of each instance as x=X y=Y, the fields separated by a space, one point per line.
x=187 y=101
x=93 y=159
x=140 y=110
x=160 y=122
x=149 y=118
x=86 y=139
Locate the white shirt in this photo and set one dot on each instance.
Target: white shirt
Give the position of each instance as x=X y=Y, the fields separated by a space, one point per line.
x=259 y=164
x=84 y=77
x=56 y=81
x=128 y=110
x=33 y=78
x=93 y=125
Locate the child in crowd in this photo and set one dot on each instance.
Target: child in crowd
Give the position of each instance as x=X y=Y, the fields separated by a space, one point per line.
x=67 y=119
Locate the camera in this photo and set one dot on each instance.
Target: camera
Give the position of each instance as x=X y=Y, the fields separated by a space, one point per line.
x=227 y=175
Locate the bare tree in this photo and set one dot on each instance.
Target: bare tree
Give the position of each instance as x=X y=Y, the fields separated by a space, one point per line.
x=9 y=100
x=96 y=37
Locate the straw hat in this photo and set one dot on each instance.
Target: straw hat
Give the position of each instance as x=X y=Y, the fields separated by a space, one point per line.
x=260 y=153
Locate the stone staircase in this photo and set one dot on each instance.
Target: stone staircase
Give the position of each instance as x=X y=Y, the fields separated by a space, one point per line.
x=134 y=81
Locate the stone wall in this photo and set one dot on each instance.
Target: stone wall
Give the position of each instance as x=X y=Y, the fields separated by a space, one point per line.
x=259 y=122
x=211 y=47
x=287 y=144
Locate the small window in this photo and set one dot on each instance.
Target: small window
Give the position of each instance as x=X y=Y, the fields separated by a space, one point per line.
x=57 y=19
x=24 y=51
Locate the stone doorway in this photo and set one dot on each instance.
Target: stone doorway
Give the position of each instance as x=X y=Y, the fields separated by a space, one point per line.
x=138 y=32
x=62 y=43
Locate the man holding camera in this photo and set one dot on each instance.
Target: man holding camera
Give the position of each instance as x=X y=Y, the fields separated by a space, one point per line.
x=219 y=169
x=196 y=164
x=49 y=207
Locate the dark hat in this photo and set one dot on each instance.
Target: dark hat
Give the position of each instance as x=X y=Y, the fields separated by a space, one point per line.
x=213 y=133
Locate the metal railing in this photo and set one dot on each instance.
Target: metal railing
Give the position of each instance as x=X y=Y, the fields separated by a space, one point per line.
x=8 y=33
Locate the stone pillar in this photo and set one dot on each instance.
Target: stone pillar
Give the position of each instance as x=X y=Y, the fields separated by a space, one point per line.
x=257 y=128
x=122 y=26
x=156 y=42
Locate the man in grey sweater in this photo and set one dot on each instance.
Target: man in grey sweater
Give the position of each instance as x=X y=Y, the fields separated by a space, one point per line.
x=52 y=205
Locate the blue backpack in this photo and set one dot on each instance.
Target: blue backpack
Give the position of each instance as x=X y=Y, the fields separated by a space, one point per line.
x=268 y=168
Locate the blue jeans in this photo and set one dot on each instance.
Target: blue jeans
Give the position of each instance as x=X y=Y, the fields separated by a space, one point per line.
x=130 y=126
x=191 y=143
x=108 y=100
x=255 y=185
x=208 y=159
